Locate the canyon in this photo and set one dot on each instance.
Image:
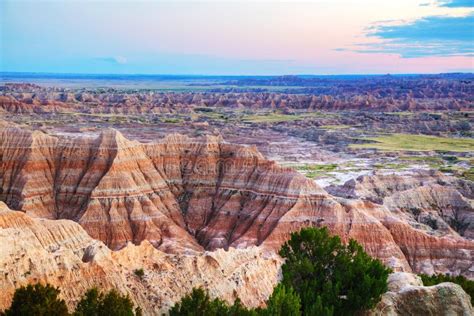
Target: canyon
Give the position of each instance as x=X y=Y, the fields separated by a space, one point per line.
x=183 y=195
x=201 y=188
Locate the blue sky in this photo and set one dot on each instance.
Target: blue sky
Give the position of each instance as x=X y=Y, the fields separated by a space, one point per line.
x=458 y=3
x=430 y=36
x=236 y=37
x=441 y=35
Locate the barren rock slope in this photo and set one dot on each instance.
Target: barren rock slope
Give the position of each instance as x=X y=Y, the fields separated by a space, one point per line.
x=61 y=253
x=182 y=195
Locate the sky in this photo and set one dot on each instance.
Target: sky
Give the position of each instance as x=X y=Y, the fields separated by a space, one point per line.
x=237 y=37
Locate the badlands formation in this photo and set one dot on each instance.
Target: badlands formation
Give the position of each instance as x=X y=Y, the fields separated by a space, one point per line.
x=379 y=93
x=88 y=211
x=61 y=253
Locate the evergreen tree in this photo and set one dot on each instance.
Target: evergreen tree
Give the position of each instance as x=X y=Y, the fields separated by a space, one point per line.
x=115 y=304
x=467 y=285
x=330 y=277
x=199 y=303
x=283 y=302
x=238 y=309
x=37 y=300
x=98 y=304
x=89 y=304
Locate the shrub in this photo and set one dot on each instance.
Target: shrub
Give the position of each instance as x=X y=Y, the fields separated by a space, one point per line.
x=89 y=304
x=37 y=300
x=138 y=311
x=98 y=304
x=199 y=303
x=139 y=273
x=283 y=302
x=415 y=211
x=467 y=285
x=330 y=277
x=115 y=304
x=240 y=310
x=431 y=222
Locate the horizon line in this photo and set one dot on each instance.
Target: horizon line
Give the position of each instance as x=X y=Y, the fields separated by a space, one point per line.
x=229 y=75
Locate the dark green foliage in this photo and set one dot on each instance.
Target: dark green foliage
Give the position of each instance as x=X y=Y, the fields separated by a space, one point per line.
x=115 y=304
x=467 y=285
x=321 y=276
x=98 y=304
x=283 y=302
x=139 y=273
x=138 y=311
x=199 y=303
x=415 y=211
x=89 y=304
x=330 y=277
x=240 y=310
x=431 y=222
x=37 y=300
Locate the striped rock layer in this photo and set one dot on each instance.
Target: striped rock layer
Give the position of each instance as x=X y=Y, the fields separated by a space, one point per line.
x=183 y=195
x=61 y=253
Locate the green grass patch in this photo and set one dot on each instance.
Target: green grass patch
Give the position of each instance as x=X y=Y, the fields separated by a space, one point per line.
x=275 y=117
x=408 y=142
x=316 y=167
x=468 y=174
x=271 y=118
x=213 y=116
x=172 y=120
x=314 y=170
x=335 y=126
x=403 y=113
x=434 y=162
x=391 y=166
x=423 y=159
x=210 y=113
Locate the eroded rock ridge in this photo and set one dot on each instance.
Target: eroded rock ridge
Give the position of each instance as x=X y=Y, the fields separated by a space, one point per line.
x=183 y=195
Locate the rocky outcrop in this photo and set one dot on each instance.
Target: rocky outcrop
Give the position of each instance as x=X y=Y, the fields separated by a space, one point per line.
x=427 y=199
x=61 y=253
x=186 y=196
x=408 y=296
x=176 y=193
x=11 y=105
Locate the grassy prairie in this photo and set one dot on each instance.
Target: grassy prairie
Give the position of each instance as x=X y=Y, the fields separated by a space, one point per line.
x=408 y=142
x=277 y=117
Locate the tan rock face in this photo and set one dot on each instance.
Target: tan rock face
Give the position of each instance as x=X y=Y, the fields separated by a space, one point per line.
x=61 y=253
x=182 y=195
x=408 y=296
